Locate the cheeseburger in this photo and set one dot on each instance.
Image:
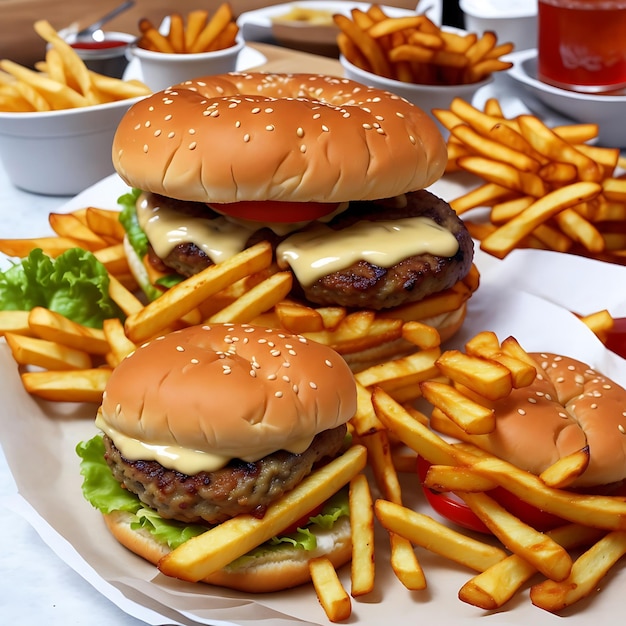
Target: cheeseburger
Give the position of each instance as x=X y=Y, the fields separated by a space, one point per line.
x=212 y=422
x=333 y=173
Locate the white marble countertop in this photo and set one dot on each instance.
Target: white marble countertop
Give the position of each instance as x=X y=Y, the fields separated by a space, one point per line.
x=38 y=587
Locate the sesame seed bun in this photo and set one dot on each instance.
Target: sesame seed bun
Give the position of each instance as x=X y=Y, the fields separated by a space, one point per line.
x=226 y=391
x=568 y=407
x=216 y=139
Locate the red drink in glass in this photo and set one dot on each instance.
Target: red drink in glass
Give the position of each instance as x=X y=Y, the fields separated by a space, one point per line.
x=582 y=44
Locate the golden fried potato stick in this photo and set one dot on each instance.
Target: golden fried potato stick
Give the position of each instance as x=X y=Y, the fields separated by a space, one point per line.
x=190 y=293
x=67 y=386
x=547 y=556
x=362 y=570
x=426 y=532
x=506 y=237
x=330 y=592
x=494 y=587
x=587 y=572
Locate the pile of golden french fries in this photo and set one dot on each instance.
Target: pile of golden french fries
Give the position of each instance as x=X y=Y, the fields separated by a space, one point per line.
x=63 y=361
x=413 y=49
x=196 y=32
x=246 y=288
x=62 y=81
x=544 y=187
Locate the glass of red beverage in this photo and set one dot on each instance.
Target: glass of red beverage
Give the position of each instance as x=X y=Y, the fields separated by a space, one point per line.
x=582 y=44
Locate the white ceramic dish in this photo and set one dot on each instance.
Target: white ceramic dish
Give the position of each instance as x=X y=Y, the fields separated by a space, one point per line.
x=160 y=69
x=426 y=97
x=60 y=152
x=606 y=110
x=248 y=58
x=512 y=20
x=257 y=25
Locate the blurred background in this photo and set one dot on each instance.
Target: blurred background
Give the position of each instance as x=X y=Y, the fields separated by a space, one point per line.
x=20 y=43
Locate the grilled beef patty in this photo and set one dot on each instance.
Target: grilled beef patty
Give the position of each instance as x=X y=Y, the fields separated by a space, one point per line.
x=214 y=497
x=361 y=285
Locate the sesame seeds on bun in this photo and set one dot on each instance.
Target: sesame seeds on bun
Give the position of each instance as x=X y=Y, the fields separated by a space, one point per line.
x=296 y=137
x=569 y=407
x=207 y=394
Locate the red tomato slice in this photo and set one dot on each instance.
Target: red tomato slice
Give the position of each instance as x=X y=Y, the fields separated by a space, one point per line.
x=616 y=338
x=275 y=211
x=454 y=509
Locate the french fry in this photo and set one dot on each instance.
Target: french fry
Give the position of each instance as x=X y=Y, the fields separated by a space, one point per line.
x=187 y=295
x=424 y=531
x=120 y=345
x=15 y=322
x=468 y=415
x=362 y=526
x=197 y=558
x=57 y=328
x=537 y=548
x=332 y=596
x=505 y=238
x=85 y=385
x=485 y=377
x=586 y=573
x=495 y=586
x=257 y=300
x=47 y=354
x=405 y=564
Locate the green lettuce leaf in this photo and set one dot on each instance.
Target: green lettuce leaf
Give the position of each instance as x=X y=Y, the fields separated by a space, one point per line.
x=75 y=284
x=139 y=243
x=128 y=218
x=107 y=495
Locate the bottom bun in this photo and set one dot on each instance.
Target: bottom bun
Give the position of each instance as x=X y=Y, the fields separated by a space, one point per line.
x=274 y=571
x=446 y=324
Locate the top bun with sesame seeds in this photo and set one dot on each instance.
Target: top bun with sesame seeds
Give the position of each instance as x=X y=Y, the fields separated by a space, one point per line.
x=568 y=408
x=214 y=393
x=295 y=137
x=212 y=422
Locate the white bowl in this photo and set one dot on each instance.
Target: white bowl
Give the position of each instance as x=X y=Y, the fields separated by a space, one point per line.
x=511 y=20
x=161 y=70
x=605 y=110
x=60 y=152
x=426 y=97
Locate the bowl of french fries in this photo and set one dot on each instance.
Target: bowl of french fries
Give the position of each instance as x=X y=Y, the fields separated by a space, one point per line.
x=415 y=58
x=197 y=44
x=57 y=120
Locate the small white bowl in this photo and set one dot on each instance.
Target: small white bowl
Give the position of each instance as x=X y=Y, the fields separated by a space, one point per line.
x=60 y=153
x=110 y=61
x=161 y=69
x=426 y=97
x=605 y=110
x=511 y=20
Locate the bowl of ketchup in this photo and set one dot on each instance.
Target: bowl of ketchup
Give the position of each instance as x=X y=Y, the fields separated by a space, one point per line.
x=109 y=54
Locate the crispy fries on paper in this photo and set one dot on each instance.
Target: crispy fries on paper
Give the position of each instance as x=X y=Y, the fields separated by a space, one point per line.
x=414 y=49
x=543 y=187
x=60 y=360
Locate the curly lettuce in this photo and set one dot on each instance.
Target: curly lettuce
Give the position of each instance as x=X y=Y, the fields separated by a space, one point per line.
x=75 y=284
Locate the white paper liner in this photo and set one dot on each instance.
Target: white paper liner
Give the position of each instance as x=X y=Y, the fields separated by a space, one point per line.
x=39 y=440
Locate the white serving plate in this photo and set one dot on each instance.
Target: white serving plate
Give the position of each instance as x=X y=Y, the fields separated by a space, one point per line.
x=606 y=110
